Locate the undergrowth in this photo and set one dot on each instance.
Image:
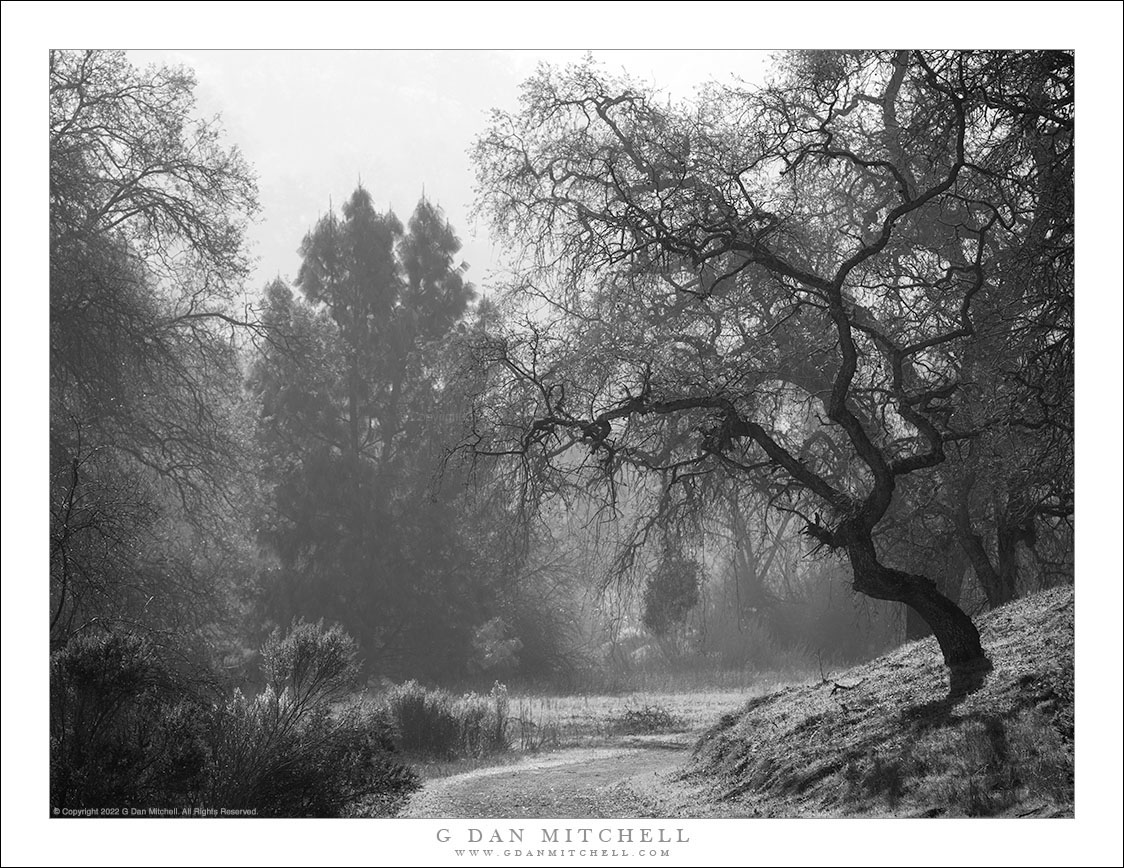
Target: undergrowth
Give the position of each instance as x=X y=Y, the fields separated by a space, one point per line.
x=435 y=723
x=129 y=730
x=646 y=720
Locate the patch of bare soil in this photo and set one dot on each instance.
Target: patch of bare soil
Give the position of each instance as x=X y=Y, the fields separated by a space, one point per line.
x=638 y=779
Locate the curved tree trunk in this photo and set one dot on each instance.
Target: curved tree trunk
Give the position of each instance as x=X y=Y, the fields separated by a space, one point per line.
x=950 y=583
x=915 y=626
x=957 y=636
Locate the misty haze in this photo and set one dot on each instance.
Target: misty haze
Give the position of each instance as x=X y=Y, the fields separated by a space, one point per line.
x=529 y=436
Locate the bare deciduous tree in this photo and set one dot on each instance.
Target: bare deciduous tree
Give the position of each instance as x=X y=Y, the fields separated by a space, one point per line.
x=799 y=284
x=147 y=212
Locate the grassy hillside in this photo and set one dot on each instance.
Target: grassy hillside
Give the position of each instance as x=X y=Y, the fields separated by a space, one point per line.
x=884 y=739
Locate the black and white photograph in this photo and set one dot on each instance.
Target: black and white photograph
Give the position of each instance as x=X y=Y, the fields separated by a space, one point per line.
x=533 y=455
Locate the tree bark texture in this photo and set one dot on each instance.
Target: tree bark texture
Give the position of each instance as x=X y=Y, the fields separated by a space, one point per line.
x=957 y=636
x=953 y=561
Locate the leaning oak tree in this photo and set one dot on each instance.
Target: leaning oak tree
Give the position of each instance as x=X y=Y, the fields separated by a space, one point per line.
x=776 y=285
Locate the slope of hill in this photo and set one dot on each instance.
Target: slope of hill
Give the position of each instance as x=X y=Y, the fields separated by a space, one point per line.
x=885 y=738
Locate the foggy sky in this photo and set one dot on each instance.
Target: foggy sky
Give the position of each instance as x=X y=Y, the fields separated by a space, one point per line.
x=315 y=123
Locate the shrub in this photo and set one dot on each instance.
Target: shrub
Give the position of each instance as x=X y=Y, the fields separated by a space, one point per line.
x=649 y=719
x=286 y=762
x=424 y=720
x=122 y=731
x=435 y=723
x=290 y=751
x=671 y=592
x=310 y=664
x=494 y=648
x=126 y=730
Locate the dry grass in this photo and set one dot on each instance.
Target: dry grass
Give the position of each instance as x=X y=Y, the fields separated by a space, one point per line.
x=701 y=678
x=545 y=722
x=583 y=720
x=885 y=739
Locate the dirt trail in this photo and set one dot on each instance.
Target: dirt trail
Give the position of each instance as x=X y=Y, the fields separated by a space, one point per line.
x=636 y=780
